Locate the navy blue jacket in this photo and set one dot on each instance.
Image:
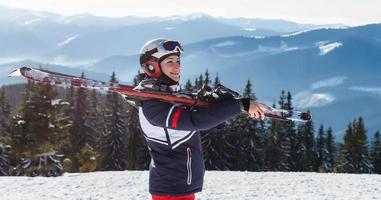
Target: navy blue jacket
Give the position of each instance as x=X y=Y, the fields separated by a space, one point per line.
x=171 y=131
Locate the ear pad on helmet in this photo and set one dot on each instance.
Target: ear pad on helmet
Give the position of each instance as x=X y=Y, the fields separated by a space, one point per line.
x=152 y=69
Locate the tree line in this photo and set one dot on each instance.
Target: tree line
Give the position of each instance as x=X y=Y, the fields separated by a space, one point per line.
x=53 y=130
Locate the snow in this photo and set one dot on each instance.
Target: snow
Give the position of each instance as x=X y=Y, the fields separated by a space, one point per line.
x=224 y=44
x=133 y=185
x=326 y=48
x=261 y=49
x=314 y=29
x=19 y=122
x=190 y=17
x=31 y=22
x=250 y=29
x=255 y=37
x=67 y=40
x=298 y=32
x=55 y=101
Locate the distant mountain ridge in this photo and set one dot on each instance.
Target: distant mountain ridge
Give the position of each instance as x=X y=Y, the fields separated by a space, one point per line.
x=333 y=71
x=48 y=36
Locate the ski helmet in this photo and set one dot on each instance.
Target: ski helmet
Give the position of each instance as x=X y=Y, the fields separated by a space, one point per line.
x=155 y=51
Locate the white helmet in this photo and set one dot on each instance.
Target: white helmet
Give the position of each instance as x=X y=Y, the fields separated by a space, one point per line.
x=154 y=51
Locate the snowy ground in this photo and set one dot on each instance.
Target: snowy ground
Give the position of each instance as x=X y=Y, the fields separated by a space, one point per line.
x=132 y=185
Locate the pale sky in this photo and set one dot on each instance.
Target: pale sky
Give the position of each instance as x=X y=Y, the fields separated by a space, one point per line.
x=350 y=12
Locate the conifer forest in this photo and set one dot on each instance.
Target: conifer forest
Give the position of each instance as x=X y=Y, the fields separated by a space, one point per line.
x=47 y=130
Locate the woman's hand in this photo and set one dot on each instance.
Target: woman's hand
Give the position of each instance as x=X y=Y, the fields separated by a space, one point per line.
x=257 y=110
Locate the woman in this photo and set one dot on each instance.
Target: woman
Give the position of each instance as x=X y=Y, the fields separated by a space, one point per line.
x=171 y=131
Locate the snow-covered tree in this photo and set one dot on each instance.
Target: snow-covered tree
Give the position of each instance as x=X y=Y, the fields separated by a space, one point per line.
x=320 y=148
x=138 y=157
x=5 y=111
x=38 y=130
x=84 y=119
x=215 y=148
x=329 y=158
x=375 y=153
x=113 y=148
x=273 y=151
x=354 y=156
x=4 y=161
x=305 y=147
x=246 y=138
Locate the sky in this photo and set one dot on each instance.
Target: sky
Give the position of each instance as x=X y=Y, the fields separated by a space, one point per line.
x=349 y=12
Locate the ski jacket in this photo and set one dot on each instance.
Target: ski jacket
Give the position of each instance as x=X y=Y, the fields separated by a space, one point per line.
x=171 y=132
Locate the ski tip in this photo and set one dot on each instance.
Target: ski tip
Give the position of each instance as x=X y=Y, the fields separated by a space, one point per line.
x=16 y=72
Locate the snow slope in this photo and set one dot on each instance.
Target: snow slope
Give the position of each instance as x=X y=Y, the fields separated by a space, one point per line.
x=133 y=185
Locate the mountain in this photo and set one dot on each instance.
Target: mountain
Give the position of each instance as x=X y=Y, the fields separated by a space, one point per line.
x=127 y=40
x=86 y=38
x=330 y=71
x=276 y=25
x=5 y=69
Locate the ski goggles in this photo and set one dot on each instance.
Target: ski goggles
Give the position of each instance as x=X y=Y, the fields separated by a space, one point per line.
x=170 y=45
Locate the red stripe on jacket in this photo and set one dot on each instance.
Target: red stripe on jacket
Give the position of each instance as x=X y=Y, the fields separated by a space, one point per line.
x=176 y=116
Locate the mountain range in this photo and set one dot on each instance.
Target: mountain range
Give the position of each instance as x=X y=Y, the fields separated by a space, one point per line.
x=332 y=70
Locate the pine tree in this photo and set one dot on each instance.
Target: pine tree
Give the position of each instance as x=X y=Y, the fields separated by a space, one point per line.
x=375 y=153
x=320 y=149
x=329 y=160
x=247 y=92
x=363 y=163
x=345 y=160
x=188 y=86
x=84 y=119
x=305 y=147
x=113 y=149
x=290 y=133
x=207 y=80
x=354 y=156
x=138 y=157
x=38 y=130
x=94 y=120
x=5 y=111
x=216 y=81
x=284 y=136
x=199 y=82
x=246 y=139
x=215 y=141
x=273 y=151
x=4 y=161
x=215 y=148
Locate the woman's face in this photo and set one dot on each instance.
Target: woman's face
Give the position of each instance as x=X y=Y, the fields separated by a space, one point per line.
x=170 y=66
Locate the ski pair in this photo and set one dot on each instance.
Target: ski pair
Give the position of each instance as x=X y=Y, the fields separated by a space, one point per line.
x=202 y=99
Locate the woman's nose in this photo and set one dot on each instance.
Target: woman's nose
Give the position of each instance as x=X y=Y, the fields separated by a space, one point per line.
x=177 y=65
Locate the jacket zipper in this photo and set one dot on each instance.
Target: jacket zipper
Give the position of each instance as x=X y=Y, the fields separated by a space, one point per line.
x=189 y=165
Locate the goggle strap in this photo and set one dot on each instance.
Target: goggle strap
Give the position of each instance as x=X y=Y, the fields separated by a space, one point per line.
x=147 y=55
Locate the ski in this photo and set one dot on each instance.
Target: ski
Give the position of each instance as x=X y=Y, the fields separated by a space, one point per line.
x=144 y=91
